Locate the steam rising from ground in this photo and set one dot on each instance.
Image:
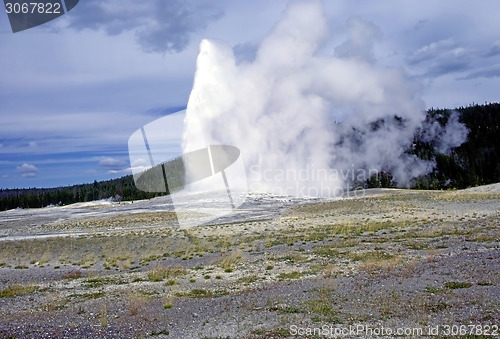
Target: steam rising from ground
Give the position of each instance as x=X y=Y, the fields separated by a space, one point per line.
x=308 y=123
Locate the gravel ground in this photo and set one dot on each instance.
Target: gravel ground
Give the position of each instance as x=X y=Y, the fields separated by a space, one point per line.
x=392 y=259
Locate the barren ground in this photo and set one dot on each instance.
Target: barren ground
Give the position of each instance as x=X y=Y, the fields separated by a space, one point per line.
x=393 y=258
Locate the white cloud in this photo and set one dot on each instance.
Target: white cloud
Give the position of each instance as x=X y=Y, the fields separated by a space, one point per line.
x=125 y=171
x=27 y=170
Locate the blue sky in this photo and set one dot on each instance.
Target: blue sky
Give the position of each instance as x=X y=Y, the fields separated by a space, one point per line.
x=73 y=90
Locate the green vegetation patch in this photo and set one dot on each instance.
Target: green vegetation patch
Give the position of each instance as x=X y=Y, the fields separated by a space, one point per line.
x=202 y=293
x=452 y=285
x=100 y=281
x=18 y=290
x=160 y=274
x=290 y=275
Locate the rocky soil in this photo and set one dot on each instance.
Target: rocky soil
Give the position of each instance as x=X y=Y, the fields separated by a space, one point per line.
x=399 y=260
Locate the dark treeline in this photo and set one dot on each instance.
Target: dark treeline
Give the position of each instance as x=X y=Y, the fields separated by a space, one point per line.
x=475 y=162
x=117 y=189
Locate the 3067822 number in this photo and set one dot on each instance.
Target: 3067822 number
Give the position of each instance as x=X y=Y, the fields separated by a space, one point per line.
x=461 y=330
x=33 y=7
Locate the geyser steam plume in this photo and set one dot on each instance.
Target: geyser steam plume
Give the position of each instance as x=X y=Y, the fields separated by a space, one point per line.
x=307 y=123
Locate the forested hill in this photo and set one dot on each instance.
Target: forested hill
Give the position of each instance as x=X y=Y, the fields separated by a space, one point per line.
x=118 y=189
x=475 y=162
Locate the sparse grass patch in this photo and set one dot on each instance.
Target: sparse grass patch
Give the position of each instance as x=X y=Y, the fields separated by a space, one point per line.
x=328 y=270
x=18 y=290
x=461 y=196
x=229 y=262
x=434 y=290
x=370 y=256
x=437 y=307
x=202 y=293
x=327 y=251
x=484 y=237
x=72 y=275
x=292 y=257
x=159 y=332
x=290 y=309
x=417 y=246
x=290 y=275
x=320 y=306
x=161 y=273
x=457 y=284
x=100 y=281
x=381 y=264
x=167 y=302
x=346 y=243
x=135 y=302
x=103 y=316
x=87 y=296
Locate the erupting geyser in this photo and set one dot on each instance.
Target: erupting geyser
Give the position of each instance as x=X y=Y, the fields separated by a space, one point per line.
x=308 y=122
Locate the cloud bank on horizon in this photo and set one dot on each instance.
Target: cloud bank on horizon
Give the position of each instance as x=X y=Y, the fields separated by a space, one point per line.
x=73 y=90
x=308 y=123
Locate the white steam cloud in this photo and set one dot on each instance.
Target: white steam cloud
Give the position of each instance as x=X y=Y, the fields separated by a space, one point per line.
x=309 y=123
x=444 y=138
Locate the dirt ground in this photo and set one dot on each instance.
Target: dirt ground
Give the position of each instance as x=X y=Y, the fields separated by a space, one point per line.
x=384 y=263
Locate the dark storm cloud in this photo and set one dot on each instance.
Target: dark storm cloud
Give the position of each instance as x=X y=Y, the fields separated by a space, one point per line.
x=112 y=163
x=448 y=66
x=441 y=57
x=494 y=50
x=489 y=73
x=432 y=51
x=159 y=26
